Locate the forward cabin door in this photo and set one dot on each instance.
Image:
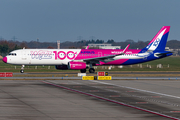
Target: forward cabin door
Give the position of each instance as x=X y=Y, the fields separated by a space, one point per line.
x=24 y=57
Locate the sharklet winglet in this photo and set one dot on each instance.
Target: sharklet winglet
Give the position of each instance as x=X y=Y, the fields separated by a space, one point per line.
x=124 y=51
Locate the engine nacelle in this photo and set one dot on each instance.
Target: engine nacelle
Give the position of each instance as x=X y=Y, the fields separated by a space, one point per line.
x=76 y=65
x=61 y=67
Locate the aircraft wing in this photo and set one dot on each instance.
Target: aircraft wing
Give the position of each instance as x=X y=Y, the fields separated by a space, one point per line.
x=105 y=58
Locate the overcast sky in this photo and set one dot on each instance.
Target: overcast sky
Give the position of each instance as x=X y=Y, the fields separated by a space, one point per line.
x=67 y=20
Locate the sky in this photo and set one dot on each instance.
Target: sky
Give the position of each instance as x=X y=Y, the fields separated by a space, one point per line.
x=74 y=20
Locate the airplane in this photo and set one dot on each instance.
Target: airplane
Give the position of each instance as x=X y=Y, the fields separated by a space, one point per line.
x=81 y=59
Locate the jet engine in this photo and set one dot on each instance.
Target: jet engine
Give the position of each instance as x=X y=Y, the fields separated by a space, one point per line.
x=76 y=65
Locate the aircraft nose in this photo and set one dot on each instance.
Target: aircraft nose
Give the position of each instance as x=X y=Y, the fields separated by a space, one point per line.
x=5 y=59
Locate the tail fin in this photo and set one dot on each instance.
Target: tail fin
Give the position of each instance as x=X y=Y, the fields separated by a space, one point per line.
x=158 y=43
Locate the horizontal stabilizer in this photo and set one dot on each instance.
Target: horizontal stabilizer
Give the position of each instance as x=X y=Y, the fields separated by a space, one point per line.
x=165 y=53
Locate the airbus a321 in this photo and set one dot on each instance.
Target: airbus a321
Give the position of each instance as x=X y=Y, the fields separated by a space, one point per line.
x=81 y=59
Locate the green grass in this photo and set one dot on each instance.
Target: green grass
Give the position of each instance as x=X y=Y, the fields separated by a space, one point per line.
x=173 y=62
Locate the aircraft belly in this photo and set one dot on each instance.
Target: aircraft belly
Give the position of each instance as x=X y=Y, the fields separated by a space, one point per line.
x=116 y=62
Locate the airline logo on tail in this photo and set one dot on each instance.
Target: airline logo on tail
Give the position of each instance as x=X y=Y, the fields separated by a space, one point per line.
x=154 y=44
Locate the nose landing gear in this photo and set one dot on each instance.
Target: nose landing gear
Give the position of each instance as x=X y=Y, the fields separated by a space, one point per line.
x=22 y=69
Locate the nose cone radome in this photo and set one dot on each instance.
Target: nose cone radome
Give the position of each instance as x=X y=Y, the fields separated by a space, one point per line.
x=5 y=59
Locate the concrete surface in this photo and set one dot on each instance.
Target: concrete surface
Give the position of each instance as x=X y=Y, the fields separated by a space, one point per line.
x=35 y=100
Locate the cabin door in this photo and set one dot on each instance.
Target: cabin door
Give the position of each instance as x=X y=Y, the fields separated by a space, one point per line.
x=99 y=54
x=24 y=57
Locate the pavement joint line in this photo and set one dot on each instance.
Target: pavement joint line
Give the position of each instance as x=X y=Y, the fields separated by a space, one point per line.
x=13 y=96
x=109 y=100
x=164 y=102
x=138 y=89
x=79 y=78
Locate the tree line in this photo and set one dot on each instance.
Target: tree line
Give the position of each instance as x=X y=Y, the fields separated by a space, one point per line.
x=8 y=46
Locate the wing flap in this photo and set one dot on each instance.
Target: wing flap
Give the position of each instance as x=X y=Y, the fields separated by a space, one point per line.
x=106 y=58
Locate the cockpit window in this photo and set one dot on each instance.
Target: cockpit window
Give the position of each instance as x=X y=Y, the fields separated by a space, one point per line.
x=12 y=54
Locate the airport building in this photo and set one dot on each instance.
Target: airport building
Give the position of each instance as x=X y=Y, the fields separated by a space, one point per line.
x=104 y=46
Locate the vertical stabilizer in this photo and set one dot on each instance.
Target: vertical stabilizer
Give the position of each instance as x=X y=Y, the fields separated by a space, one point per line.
x=158 y=43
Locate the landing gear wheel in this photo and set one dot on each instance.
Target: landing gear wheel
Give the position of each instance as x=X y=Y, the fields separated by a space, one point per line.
x=83 y=70
x=22 y=71
x=91 y=70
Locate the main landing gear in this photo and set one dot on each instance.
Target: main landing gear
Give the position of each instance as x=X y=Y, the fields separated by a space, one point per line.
x=91 y=70
x=83 y=70
x=22 y=69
